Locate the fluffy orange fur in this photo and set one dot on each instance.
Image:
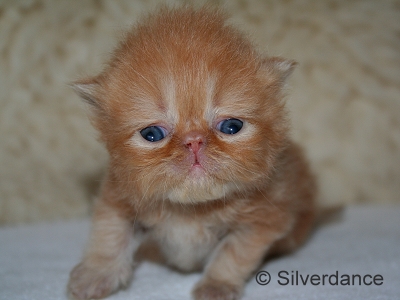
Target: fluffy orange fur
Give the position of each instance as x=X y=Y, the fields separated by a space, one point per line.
x=208 y=199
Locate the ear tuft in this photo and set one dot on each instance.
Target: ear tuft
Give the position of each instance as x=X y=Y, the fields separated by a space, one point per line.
x=88 y=90
x=280 y=67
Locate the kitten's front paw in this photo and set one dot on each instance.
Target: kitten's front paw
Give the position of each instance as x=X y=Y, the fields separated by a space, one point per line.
x=215 y=290
x=90 y=282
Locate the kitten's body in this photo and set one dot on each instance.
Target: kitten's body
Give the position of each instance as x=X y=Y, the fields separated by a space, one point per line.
x=208 y=198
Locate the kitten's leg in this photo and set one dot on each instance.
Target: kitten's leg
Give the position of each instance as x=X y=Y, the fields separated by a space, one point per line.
x=233 y=262
x=107 y=263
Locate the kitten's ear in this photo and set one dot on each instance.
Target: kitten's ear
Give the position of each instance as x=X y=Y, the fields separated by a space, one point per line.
x=88 y=90
x=279 y=67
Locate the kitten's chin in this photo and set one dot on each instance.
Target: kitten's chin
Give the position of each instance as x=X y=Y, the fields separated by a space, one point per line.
x=199 y=189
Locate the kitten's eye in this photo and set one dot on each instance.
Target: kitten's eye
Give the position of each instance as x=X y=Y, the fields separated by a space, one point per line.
x=230 y=126
x=153 y=133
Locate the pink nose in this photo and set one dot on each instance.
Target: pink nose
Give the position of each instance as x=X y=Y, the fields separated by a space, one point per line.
x=194 y=140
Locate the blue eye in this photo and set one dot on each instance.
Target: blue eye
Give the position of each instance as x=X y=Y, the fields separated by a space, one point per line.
x=230 y=126
x=153 y=133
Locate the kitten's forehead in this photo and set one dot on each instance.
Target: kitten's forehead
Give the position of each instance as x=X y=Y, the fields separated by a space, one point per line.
x=191 y=97
x=193 y=101
x=189 y=100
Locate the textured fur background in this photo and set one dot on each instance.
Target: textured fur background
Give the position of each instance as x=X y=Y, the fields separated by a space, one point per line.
x=344 y=96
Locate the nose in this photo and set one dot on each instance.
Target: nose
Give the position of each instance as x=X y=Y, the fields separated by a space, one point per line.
x=194 y=141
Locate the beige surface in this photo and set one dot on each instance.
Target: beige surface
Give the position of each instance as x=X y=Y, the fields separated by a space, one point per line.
x=344 y=97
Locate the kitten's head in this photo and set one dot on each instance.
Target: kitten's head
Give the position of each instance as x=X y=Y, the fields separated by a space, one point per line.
x=188 y=109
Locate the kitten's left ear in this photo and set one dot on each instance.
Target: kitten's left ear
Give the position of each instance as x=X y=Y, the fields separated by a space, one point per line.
x=279 y=67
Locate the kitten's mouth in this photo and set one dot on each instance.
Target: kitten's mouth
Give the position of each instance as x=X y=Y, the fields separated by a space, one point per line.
x=197 y=169
x=196 y=164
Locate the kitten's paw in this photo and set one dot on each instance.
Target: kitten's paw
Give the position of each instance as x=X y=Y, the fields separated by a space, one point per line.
x=215 y=290
x=91 y=282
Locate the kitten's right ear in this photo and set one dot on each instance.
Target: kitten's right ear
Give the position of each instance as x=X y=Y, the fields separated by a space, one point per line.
x=88 y=90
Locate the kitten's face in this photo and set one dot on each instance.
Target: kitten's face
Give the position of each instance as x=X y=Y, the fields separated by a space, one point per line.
x=190 y=116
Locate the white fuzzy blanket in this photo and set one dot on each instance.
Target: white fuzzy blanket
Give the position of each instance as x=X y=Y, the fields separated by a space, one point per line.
x=35 y=262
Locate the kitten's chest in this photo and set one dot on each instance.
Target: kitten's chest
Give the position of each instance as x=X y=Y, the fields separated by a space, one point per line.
x=187 y=243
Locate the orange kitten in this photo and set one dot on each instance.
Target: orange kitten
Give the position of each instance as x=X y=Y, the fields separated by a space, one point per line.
x=200 y=157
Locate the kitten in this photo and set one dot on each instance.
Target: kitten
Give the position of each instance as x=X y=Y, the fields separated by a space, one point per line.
x=200 y=156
